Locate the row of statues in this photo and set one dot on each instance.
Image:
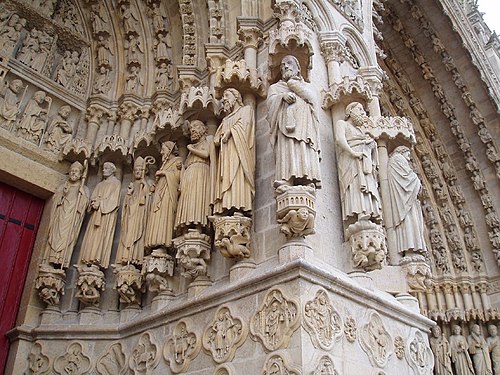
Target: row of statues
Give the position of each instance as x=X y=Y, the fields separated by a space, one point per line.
x=460 y=355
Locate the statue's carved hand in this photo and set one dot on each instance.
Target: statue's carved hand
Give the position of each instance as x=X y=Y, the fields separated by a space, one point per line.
x=290 y=98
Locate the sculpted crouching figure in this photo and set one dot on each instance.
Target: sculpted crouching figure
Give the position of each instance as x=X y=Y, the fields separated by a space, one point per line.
x=104 y=202
x=294 y=127
x=357 y=165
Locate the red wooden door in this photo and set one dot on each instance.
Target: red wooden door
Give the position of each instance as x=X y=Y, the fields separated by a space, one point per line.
x=19 y=219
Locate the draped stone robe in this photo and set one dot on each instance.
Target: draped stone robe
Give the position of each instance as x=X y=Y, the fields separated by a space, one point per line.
x=234 y=187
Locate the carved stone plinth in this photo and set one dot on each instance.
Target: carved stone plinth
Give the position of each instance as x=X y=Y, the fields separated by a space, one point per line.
x=90 y=315
x=295 y=210
x=50 y=284
x=232 y=235
x=129 y=284
x=417 y=271
x=368 y=246
x=241 y=269
x=157 y=267
x=90 y=283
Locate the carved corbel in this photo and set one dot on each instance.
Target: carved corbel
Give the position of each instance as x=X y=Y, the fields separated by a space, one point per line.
x=90 y=283
x=129 y=282
x=193 y=250
x=295 y=210
x=50 y=284
x=157 y=267
x=232 y=235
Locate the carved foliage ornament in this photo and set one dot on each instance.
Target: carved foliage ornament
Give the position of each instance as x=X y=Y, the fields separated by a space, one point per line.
x=181 y=348
x=376 y=340
x=350 y=329
x=276 y=320
x=113 y=361
x=145 y=356
x=74 y=361
x=322 y=321
x=224 y=335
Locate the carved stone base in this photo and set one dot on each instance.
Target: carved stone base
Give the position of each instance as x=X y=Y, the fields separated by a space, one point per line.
x=129 y=284
x=50 y=315
x=362 y=278
x=50 y=284
x=129 y=313
x=90 y=315
x=193 y=250
x=368 y=246
x=240 y=270
x=295 y=249
x=232 y=235
x=197 y=286
x=417 y=271
x=409 y=301
x=295 y=210
x=162 y=300
x=90 y=283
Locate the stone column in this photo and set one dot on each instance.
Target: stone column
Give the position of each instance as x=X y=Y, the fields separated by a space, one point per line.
x=127 y=115
x=94 y=115
x=332 y=45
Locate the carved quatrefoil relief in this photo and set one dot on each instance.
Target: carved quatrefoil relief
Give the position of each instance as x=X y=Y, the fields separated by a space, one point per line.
x=181 y=348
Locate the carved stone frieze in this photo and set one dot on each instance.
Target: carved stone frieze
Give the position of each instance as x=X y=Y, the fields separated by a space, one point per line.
x=276 y=364
x=276 y=320
x=113 y=361
x=38 y=362
x=90 y=283
x=50 y=284
x=295 y=210
x=182 y=347
x=224 y=334
x=74 y=361
x=145 y=355
x=322 y=321
x=376 y=341
x=232 y=235
x=325 y=367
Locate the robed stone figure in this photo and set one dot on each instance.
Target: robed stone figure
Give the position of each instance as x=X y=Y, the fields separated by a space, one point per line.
x=234 y=186
x=478 y=348
x=134 y=217
x=459 y=354
x=164 y=200
x=404 y=186
x=294 y=127
x=357 y=166
x=70 y=202
x=441 y=349
x=104 y=202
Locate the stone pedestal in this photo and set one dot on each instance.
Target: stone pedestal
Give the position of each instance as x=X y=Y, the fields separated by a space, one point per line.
x=296 y=248
x=193 y=250
x=417 y=271
x=90 y=283
x=240 y=270
x=157 y=267
x=90 y=315
x=129 y=282
x=50 y=315
x=129 y=313
x=197 y=286
x=50 y=284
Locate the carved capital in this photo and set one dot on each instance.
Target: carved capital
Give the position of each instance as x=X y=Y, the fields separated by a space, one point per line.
x=232 y=235
x=250 y=37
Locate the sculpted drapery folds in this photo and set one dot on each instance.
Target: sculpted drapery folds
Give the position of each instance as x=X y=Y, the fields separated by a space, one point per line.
x=69 y=204
x=459 y=354
x=478 y=348
x=357 y=164
x=441 y=349
x=494 y=347
x=196 y=181
x=59 y=132
x=294 y=127
x=104 y=202
x=404 y=186
x=134 y=217
x=9 y=103
x=165 y=197
x=234 y=188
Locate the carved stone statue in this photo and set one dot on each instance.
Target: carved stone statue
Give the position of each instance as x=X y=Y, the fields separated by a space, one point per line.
x=195 y=186
x=164 y=76
x=294 y=127
x=59 y=132
x=9 y=103
x=478 y=348
x=10 y=34
x=134 y=216
x=297 y=223
x=104 y=202
x=235 y=188
x=102 y=83
x=133 y=79
x=441 y=349
x=357 y=161
x=34 y=117
x=459 y=354
x=494 y=347
x=165 y=197
x=69 y=204
x=404 y=186
x=31 y=47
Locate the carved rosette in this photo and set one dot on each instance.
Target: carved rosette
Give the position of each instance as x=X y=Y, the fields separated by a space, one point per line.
x=418 y=272
x=50 y=284
x=224 y=335
x=419 y=354
x=399 y=347
x=145 y=356
x=295 y=210
x=181 y=348
x=232 y=235
x=322 y=321
x=376 y=341
x=368 y=245
x=325 y=366
x=350 y=329
x=193 y=250
x=113 y=361
x=74 y=361
x=157 y=267
x=38 y=363
x=90 y=283
x=276 y=364
x=129 y=284
x=276 y=320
